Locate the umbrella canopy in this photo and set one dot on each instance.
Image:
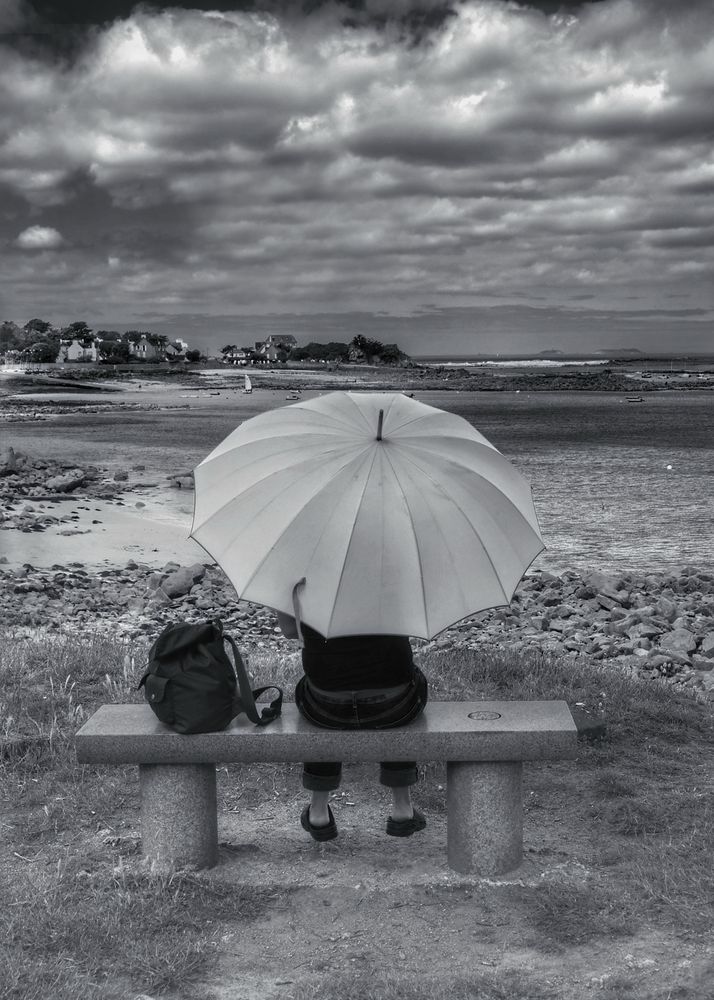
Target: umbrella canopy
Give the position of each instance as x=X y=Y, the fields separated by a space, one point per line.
x=402 y=518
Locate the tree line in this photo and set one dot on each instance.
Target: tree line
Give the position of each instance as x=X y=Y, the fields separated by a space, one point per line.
x=360 y=348
x=39 y=341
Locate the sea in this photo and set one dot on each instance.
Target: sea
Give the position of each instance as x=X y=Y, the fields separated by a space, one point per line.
x=618 y=485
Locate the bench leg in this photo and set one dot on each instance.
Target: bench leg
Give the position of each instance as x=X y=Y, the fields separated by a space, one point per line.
x=179 y=817
x=484 y=817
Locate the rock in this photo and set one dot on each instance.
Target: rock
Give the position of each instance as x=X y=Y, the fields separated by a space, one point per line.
x=702 y=663
x=667 y=608
x=707 y=684
x=8 y=461
x=706 y=647
x=606 y=602
x=120 y=477
x=65 y=482
x=680 y=640
x=604 y=583
x=179 y=583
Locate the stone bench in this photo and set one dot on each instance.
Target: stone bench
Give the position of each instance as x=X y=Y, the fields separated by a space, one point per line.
x=483 y=744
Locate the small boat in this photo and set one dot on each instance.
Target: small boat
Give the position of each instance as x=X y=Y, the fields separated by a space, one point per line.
x=635 y=399
x=293 y=395
x=248 y=384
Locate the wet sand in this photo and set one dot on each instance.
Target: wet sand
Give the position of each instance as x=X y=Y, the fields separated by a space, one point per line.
x=600 y=467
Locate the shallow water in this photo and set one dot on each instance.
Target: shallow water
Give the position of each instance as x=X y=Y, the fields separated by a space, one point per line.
x=598 y=464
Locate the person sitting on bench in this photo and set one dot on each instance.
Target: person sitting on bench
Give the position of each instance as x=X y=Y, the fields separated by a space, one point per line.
x=357 y=682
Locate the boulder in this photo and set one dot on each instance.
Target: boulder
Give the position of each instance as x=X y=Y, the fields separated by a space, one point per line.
x=606 y=602
x=179 y=583
x=702 y=663
x=65 y=482
x=668 y=609
x=8 y=461
x=159 y=598
x=606 y=584
x=679 y=640
x=706 y=647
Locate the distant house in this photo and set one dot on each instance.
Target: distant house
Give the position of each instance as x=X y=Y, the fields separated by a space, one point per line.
x=274 y=345
x=144 y=349
x=77 y=349
x=236 y=356
x=175 y=350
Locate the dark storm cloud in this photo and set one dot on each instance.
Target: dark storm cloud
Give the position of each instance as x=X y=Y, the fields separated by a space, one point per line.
x=250 y=156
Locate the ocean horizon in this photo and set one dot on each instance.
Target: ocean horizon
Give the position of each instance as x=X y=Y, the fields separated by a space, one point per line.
x=455 y=362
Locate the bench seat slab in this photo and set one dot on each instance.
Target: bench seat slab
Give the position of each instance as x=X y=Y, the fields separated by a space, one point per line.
x=467 y=731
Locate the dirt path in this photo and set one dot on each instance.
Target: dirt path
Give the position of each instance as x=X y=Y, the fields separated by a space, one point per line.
x=369 y=916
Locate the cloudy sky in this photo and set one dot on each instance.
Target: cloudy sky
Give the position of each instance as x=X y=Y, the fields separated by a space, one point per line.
x=480 y=176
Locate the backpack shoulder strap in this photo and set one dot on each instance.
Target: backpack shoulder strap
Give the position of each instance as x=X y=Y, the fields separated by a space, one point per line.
x=246 y=701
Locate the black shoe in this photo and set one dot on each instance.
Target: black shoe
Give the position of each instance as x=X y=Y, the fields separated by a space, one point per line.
x=406 y=827
x=328 y=832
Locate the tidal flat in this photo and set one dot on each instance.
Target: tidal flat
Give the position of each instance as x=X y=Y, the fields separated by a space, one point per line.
x=618 y=485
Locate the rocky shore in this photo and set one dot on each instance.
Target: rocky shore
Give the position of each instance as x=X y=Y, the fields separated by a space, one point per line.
x=661 y=627
x=405 y=377
x=31 y=487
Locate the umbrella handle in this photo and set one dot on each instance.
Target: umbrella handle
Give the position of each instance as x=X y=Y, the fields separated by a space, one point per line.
x=296 y=610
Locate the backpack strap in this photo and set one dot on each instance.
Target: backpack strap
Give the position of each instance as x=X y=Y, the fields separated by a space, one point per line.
x=246 y=701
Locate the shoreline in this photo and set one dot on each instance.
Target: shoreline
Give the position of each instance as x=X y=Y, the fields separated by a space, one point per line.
x=615 y=377
x=658 y=626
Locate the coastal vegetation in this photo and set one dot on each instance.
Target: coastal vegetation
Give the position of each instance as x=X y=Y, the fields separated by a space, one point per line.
x=360 y=350
x=38 y=341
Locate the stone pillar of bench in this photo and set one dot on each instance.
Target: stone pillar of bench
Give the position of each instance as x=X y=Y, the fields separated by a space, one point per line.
x=485 y=817
x=179 y=817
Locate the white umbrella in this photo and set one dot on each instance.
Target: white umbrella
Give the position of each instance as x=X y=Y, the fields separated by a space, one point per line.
x=401 y=518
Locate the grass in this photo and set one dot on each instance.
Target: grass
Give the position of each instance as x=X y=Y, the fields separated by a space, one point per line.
x=85 y=930
x=77 y=919
x=372 y=984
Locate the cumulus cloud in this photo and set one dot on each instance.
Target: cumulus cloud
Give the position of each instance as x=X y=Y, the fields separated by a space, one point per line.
x=39 y=238
x=235 y=158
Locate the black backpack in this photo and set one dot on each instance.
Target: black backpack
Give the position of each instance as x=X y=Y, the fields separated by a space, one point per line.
x=191 y=684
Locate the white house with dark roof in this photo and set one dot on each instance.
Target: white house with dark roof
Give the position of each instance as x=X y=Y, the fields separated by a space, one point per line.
x=275 y=344
x=77 y=349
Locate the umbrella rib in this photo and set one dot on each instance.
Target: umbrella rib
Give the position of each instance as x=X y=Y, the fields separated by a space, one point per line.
x=322 y=456
x=466 y=518
x=416 y=541
x=306 y=408
x=477 y=475
x=363 y=418
x=352 y=532
x=287 y=528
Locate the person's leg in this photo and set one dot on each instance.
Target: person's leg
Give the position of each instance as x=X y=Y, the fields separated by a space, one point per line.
x=321 y=779
x=402 y=807
x=399 y=776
